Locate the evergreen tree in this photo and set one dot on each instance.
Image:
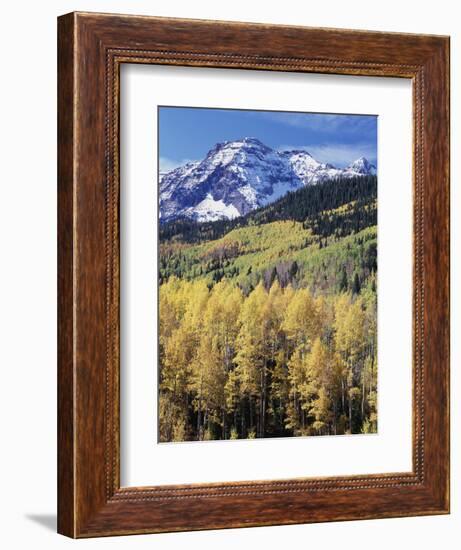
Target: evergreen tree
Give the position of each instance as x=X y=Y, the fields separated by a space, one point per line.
x=356 y=284
x=343 y=284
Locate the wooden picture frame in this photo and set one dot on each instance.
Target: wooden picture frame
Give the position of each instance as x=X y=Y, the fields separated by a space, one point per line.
x=92 y=48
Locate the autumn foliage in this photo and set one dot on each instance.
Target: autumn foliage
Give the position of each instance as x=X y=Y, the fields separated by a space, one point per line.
x=268 y=322
x=277 y=362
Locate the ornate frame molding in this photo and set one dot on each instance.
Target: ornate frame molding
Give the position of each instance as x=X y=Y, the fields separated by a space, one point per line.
x=91 y=49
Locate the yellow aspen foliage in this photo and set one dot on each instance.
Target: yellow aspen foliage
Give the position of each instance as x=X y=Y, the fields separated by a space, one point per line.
x=302 y=323
x=279 y=361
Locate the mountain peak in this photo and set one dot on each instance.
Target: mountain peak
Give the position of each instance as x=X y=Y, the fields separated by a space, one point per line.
x=236 y=150
x=362 y=166
x=243 y=142
x=290 y=152
x=240 y=175
x=252 y=140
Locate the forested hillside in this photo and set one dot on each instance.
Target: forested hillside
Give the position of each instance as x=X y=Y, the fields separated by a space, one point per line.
x=268 y=321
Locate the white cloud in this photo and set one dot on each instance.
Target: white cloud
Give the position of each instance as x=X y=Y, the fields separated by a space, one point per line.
x=167 y=164
x=324 y=122
x=311 y=121
x=340 y=155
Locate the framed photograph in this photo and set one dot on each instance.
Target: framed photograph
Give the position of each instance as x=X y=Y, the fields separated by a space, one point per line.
x=253 y=275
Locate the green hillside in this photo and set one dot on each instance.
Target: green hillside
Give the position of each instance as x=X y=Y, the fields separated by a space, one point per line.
x=268 y=322
x=304 y=204
x=331 y=249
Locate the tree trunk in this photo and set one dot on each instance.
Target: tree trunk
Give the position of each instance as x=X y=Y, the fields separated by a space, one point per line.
x=342 y=396
x=263 y=404
x=334 y=417
x=350 y=413
x=199 y=421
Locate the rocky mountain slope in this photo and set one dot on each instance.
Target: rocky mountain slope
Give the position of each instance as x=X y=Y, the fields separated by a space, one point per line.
x=236 y=177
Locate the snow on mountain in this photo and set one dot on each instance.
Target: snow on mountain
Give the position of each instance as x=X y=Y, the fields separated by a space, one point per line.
x=210 y=210
x=238 y=176
x=309 y=170
x=362 y=166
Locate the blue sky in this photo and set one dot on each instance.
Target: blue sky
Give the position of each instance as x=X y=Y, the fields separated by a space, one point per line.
x=187 y=133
